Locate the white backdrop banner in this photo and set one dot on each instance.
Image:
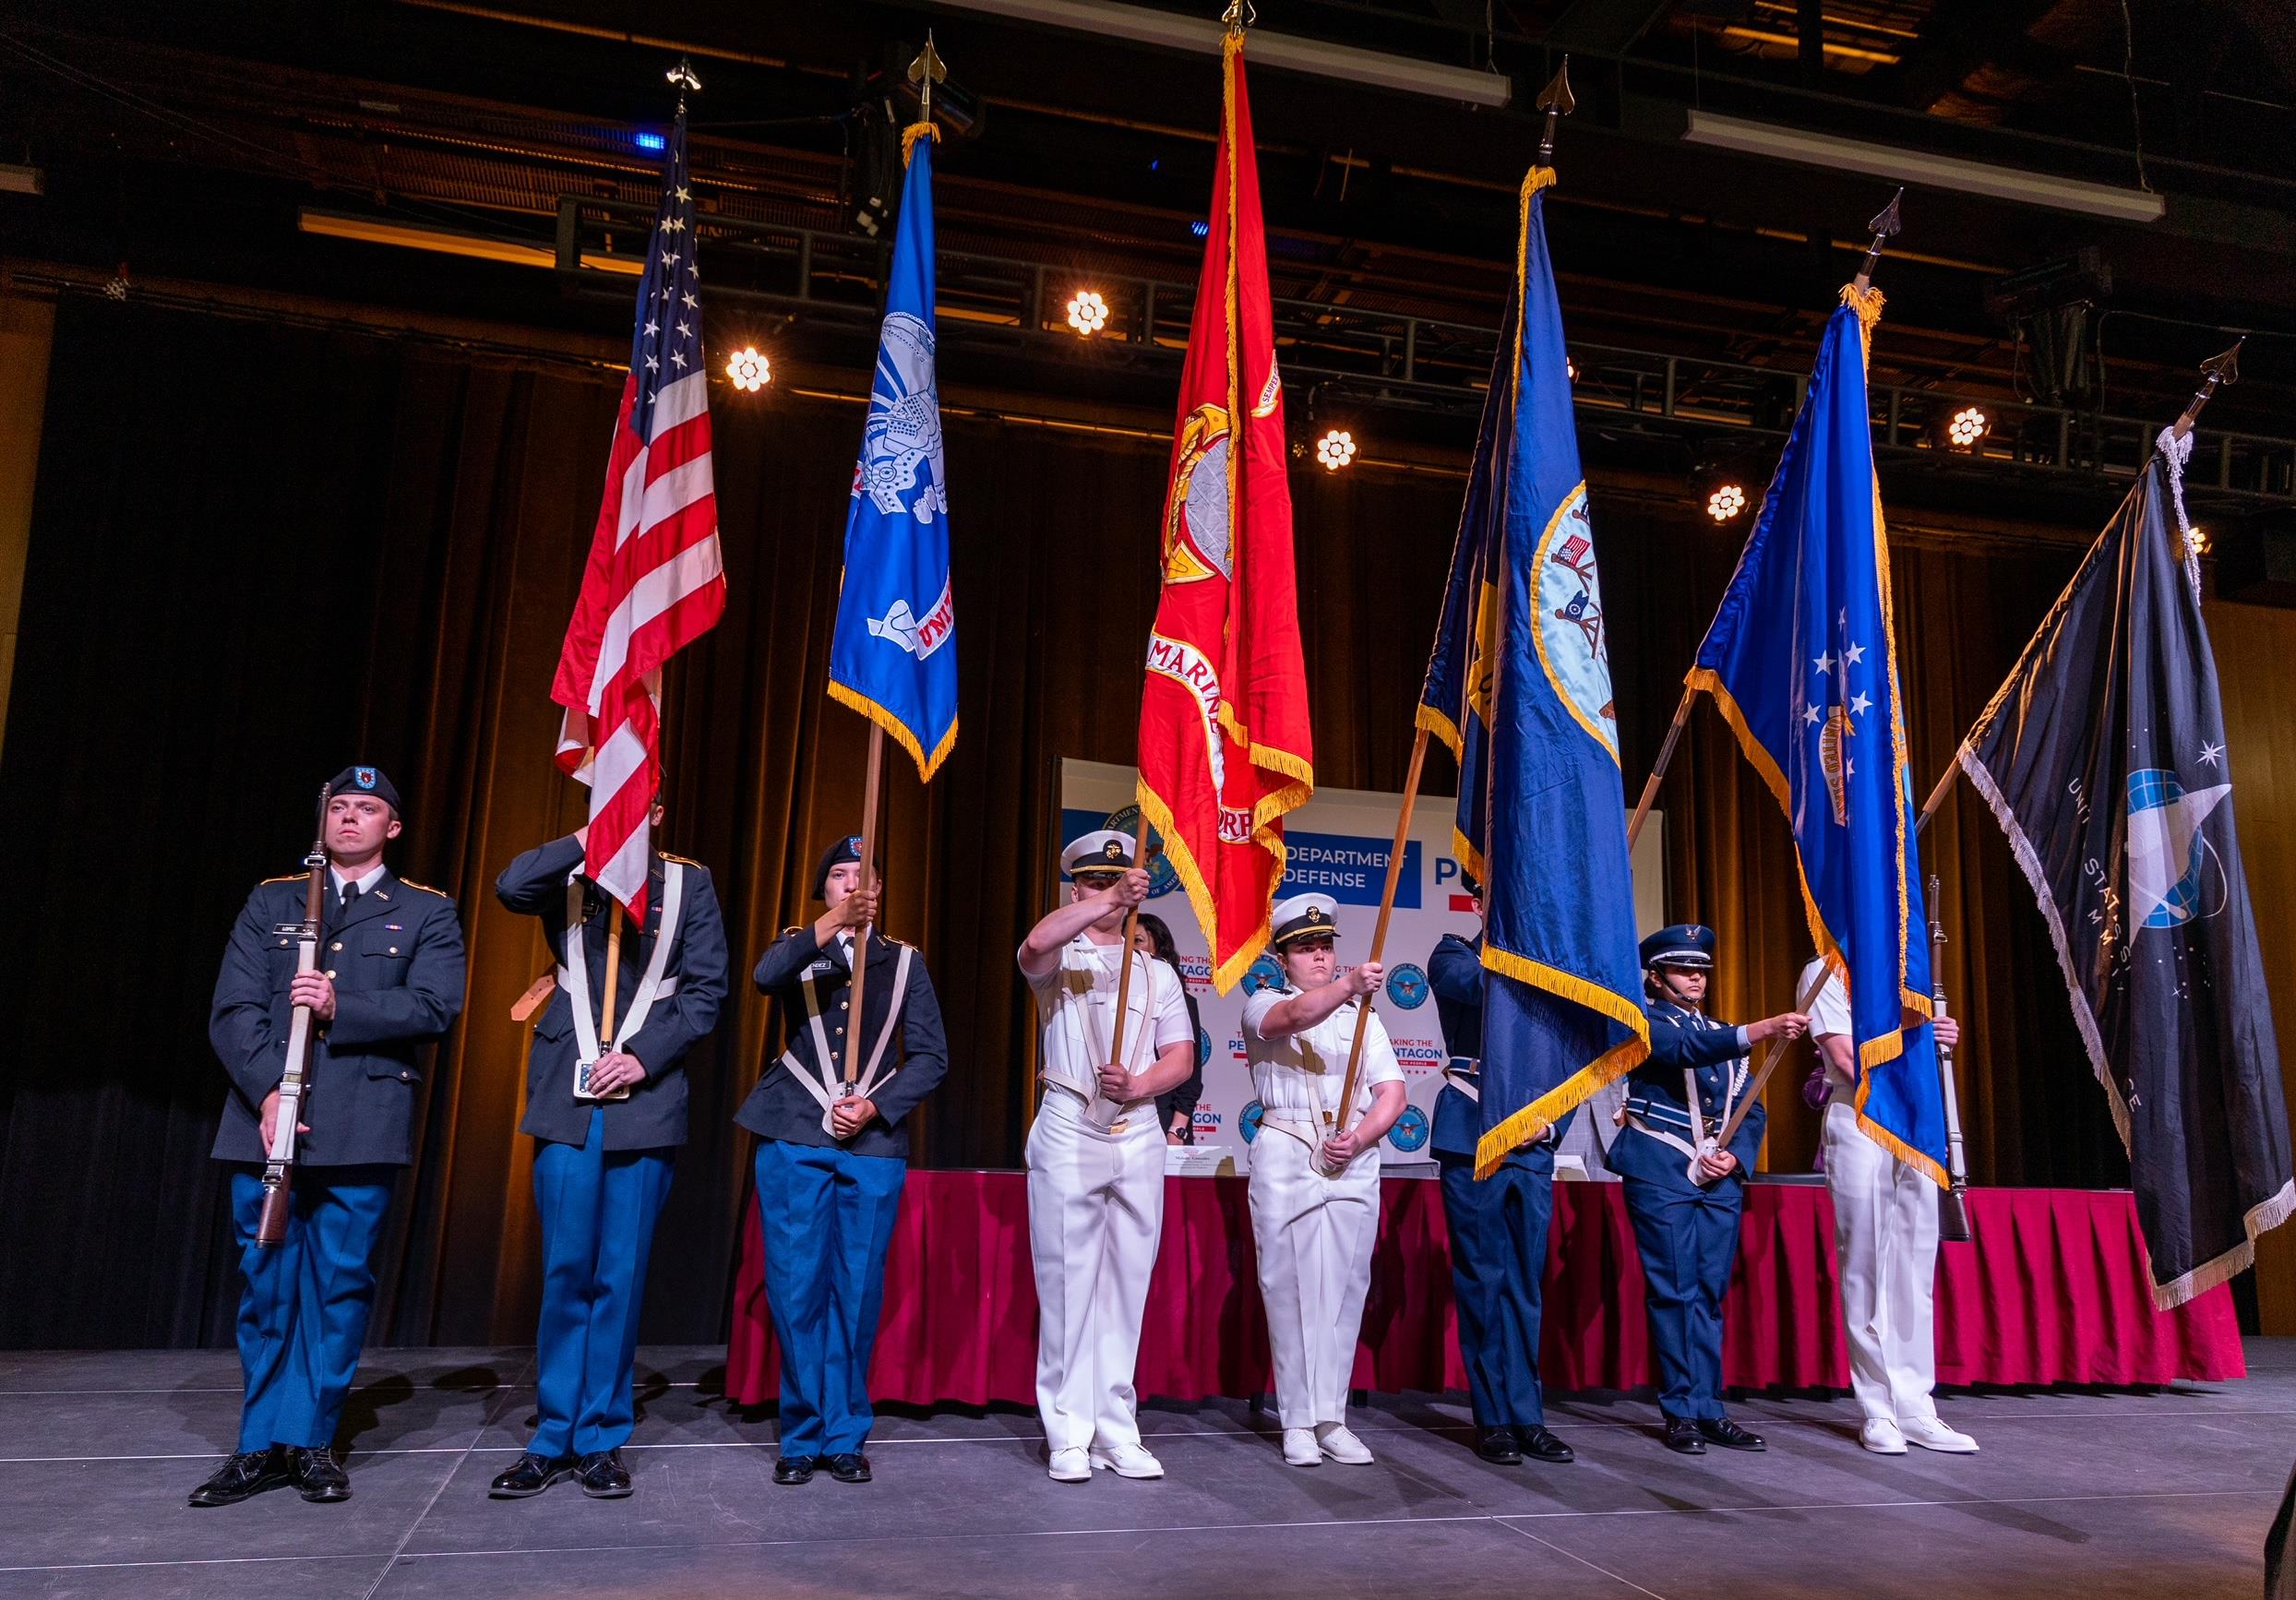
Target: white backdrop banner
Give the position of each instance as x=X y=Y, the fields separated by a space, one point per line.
x=1338 y=845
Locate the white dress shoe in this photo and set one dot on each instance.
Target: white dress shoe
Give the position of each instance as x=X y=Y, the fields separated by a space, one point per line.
x=1299 y=1447
x=1072 y=1466
x=1932 y=1434
x=1333 y=1439
x=1127 y=1461
x=1880 y=1436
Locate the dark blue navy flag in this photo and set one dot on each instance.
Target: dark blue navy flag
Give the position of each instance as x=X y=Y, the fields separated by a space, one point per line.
x=1801 y=661
x=893 y=655
x=1519 y=687
x=2103 y=756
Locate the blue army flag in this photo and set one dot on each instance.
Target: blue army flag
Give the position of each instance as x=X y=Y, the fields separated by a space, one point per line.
x=2103 y=756
x=1519 y=686
x=894 y=657
x=1801 y=661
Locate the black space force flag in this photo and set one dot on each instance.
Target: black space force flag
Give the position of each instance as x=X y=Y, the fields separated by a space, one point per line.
x=2103 y=756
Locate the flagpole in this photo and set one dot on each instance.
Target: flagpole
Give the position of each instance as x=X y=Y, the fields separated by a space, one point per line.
x=1952 y=1201
x=1659 y=772
x=1378 y=930
x=869 y=881
x=1774 y=1052
x=2218 y=370
x=1131 y=931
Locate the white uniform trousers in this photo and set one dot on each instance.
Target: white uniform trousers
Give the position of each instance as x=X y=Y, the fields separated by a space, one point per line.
x=1885 y=1254
x=1095 y=1211
x=1313 y=1236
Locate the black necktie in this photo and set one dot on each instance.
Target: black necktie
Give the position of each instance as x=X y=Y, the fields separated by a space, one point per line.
x=350 y=893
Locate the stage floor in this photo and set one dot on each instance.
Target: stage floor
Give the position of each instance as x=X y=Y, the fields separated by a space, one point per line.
x=2094 y=1495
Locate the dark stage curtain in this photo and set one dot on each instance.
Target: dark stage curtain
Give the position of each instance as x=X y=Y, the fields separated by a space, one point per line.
x=261 y=552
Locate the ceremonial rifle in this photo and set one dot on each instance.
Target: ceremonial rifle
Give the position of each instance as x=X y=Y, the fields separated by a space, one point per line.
x=278 y=1159
x=1952 y=1201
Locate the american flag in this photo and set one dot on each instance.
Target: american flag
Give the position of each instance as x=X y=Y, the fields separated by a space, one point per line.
x=655 y=581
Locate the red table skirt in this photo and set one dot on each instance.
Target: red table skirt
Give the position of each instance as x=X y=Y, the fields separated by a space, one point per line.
x=2053 y=1290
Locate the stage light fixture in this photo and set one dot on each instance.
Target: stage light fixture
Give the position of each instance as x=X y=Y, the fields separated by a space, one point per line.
x=2196 y=539
x=1088 y=313
x=1727 y=501
x=1966 y=428
x=1569 y=367
x=1335 y=449
x=748 y=369
x=651 y=143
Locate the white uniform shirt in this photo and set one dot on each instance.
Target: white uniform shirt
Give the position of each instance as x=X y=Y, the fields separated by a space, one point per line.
x=1076 y=1006
x=1829 y=1013
x=1299 y=1078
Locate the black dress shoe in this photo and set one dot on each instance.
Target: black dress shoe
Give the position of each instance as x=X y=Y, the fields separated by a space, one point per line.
x=794 y=1469
x=317 y=1478
x=242 y=1477
x=1499 y=1447
x=533 y=1475
x=1540 y=1444
x=849 y=1468
x=1721 y=1431
x=1681 y=1436
x=604 y=1475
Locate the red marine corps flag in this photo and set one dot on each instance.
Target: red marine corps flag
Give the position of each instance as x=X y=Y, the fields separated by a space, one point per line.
x=1223 y=743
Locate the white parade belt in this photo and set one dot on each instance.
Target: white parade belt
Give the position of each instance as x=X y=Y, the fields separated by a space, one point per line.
x=1463 y=1082
x=574 y=977
x=822 y=1082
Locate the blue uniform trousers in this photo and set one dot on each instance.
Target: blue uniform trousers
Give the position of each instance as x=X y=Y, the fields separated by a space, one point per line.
x=1689 y=1242
x=303 y=1314
x=1498 y=1263
x=598 y=1210
x=827 y=1216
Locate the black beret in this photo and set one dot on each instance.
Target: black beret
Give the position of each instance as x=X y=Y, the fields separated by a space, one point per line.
x=365 y=781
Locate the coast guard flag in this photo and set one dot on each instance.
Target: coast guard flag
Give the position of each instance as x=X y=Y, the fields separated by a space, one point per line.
x=1224 y=744
x=654 y=581
x=1519 y=686
x=1801 y=661
x=894 y=657
x=2103 y=756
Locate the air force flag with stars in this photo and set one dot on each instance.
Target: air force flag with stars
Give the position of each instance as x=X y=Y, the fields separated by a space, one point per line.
x=2103 y=756
x=1802 y=662
x=894 y=657
x=1519 y=686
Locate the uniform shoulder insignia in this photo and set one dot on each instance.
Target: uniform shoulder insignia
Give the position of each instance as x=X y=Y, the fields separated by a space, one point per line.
x=787 y=931
x=682 y=860
x=287 y=877
x=425 y=888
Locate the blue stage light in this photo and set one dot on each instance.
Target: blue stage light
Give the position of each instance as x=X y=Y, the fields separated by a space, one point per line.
x=652 y=142
x=1201 y=229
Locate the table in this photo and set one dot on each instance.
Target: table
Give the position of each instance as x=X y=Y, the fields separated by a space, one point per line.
x=2052 y=1291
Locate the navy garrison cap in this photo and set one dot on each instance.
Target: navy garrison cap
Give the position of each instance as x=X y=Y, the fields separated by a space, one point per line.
x=840 y=850
x=365 y=781
x=1686 y=944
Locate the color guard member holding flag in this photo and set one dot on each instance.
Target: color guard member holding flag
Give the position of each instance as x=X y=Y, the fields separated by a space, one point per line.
x=389 y=982
x=1884 y=1246
x=1095 y=1157
x=832 y=1157
x=1682 y=1192
x=605 y=1104
x=1315 y=1187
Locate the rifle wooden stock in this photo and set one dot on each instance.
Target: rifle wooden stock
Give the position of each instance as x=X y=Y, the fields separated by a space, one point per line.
x=279 y=1157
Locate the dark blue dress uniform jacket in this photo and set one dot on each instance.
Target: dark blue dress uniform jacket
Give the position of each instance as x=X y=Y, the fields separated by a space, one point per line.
x=653 y=1118
x=1455 y=974
x=779 y=1107
x=396 y=957
x=1678 y=1039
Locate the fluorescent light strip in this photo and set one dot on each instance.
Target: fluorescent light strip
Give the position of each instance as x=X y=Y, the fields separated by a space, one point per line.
x=448 y=242
x=16 y=180
x=1139 y=25
x=1917 y=167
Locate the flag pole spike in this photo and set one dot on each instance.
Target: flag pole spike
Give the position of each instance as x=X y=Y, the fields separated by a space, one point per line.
x=1883 y=228
x=682 y=79
x=926 y=71
x=1379 y=929
x=1238 y=15
x=1557 y=100
x=2216 y=371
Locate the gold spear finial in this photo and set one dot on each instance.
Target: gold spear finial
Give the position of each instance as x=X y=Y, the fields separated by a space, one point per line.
x=1238 y=15
x=926 y=71
x=1557 y=100
x=2216 y=371
x=682 y=79
x=1883 y=228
